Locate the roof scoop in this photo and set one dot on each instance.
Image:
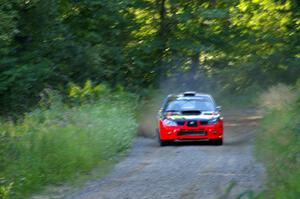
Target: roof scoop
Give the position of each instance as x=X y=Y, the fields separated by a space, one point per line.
x=191 y=112
x=189 y=93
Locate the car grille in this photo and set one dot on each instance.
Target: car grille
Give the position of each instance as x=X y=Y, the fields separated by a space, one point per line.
x=204 y=122
x=191 y=133
x=180 y=123
x=192 y=123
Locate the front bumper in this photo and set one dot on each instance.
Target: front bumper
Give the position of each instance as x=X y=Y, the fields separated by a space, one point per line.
x=201 y=132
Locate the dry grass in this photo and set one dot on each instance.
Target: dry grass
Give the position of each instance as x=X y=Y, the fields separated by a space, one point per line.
x=278 y=143
x=277 y=97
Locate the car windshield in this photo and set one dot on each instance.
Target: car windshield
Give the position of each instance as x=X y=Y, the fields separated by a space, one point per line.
x=200 y=104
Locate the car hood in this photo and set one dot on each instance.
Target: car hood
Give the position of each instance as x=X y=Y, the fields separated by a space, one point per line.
x=193 y=117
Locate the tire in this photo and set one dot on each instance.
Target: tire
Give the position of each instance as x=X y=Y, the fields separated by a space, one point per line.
x=163 y=142
x=160 y=141
x=218 y=142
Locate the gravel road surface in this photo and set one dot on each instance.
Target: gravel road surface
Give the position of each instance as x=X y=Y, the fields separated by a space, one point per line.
x=185 y=170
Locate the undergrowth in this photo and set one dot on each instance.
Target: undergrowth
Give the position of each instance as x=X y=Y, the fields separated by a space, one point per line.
x=56 y=142
x=278 y=142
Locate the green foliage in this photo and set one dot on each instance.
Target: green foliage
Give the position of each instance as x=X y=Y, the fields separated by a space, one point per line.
x=5 y=189
x=87 y=93
x=246 y=97
x=278 y=144
x=137 y=44
x=239 y=46
x=244 y=195
x=268 y=43
x=51 y=145
x=7 y=28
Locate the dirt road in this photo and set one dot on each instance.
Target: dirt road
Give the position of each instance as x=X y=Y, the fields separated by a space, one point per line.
x=184 y=171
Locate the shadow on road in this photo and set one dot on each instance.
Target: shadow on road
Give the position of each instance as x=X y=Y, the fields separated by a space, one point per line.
x=192 y=143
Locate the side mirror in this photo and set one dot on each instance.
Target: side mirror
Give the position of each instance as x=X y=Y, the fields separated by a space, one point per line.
x=219 y=108
x=160 y=112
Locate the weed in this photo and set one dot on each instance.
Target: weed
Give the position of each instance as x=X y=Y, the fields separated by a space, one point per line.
x=54 y=144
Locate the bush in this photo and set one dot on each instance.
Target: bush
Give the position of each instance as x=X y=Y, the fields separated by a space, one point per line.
x=50 y=145
x=277 y=97
x=278 y=142
x=5 y=189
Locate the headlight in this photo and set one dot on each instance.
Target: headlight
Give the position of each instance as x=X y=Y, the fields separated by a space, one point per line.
x=213 y=121
x=168 y=122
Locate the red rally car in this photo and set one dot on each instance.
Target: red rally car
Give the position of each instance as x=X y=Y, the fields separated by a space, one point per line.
x=189 y=116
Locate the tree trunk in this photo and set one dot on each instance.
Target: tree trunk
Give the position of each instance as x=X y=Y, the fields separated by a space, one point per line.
x=162 y=15
x=195 y=65
x=162 y=37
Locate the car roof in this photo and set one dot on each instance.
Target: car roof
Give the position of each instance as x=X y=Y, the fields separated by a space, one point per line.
x=190 y=95
x=186 y=96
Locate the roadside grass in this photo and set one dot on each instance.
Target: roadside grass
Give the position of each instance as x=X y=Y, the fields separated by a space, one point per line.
x=248 y=194
x=79 y=180
x=278 y=142
x=56 y=144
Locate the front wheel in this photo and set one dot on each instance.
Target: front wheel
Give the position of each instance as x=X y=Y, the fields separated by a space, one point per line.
x=163 y=142
x=160 y=141
x=218 y=141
